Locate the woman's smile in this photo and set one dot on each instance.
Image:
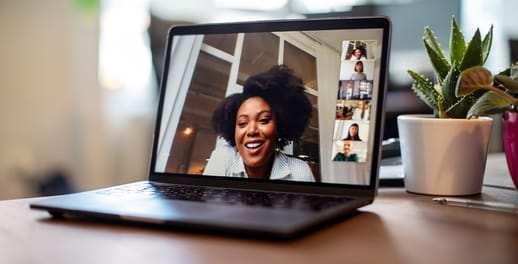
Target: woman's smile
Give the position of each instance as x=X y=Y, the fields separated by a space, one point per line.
x=254 y=145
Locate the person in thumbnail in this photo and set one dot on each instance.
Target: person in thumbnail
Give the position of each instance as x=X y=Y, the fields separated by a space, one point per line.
x=345 y=89
x=361 y=112
x=270 y=113
x=346 y=154
x=358 y=74
x=352 y=134
x=341 y=90
x=359 y=53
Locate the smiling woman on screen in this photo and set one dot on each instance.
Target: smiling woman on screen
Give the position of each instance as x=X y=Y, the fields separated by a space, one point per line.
x=271 y=112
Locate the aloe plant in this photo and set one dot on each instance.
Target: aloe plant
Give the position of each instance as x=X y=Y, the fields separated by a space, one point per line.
x=441 y=96
x=500 y=87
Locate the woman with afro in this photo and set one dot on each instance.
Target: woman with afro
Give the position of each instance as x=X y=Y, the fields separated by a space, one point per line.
x=270 y=113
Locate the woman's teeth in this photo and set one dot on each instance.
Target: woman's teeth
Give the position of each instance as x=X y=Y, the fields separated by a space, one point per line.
x=253 y=145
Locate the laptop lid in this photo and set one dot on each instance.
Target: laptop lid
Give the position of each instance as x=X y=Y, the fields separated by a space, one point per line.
x=213 y=68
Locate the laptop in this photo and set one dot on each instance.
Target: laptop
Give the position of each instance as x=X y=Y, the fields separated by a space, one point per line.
x=268 y=129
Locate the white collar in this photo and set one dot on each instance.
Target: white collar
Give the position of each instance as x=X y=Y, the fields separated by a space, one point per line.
x=280 y=168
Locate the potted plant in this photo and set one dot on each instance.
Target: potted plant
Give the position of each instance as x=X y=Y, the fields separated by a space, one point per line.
x=498 y=100
x=445 y=154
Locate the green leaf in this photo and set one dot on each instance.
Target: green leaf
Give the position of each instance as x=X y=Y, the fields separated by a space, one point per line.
x=473 y=55
x=472 y=79
x=424 y=89
x=486 y=44
x=508 y=83
x=439 y=62
x=448 y=87
x=430 y=38
x=460 y=108
x=488 y=104
x=457 y=44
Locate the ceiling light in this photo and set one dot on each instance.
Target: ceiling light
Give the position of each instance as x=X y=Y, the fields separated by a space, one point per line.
x=188 y=131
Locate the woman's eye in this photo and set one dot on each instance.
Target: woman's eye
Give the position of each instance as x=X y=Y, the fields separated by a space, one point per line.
x=264 y=120
x=241 y=124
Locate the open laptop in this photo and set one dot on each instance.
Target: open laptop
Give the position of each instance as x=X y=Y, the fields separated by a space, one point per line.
x=189 y=187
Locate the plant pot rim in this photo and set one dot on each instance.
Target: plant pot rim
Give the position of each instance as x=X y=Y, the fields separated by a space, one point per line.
x=432 y=118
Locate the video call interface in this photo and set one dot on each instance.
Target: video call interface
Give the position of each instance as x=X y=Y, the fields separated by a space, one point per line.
x=322 y=132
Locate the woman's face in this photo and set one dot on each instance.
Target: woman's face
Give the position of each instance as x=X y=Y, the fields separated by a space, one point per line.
x=359 y=67
x=255 y=134
x=353 y=131
x=358 y=53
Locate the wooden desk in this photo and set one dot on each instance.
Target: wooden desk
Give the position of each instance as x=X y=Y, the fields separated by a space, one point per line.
x=398 y=228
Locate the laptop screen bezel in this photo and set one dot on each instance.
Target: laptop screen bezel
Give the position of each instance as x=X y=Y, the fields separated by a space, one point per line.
x=270 y=26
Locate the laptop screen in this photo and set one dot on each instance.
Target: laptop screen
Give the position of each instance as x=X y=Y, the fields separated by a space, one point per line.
x=285 y=102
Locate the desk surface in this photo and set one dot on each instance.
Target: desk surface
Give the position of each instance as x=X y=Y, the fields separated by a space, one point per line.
x=398 y=228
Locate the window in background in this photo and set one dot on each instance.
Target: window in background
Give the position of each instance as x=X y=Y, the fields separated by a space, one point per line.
x=124 y=56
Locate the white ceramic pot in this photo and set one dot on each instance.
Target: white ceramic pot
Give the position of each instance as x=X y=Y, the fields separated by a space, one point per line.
x=443 y=156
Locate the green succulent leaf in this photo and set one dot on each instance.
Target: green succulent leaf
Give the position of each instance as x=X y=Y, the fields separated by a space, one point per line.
x=457 y=44
x=430 y=38
x=473 y=55
x=472 y=79
x=460 y=107
x=448 y=87
x=424 y=89
x=508 y=83
x=486 y=44
x=439 y=62
x=488 y=104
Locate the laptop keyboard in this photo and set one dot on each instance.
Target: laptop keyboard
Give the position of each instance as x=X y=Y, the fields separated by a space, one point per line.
x=230 y=196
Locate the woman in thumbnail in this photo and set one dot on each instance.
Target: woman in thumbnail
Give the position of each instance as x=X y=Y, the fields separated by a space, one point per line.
x=359 y=53
x=352 y=134
x=358 y=74
x=271 y=112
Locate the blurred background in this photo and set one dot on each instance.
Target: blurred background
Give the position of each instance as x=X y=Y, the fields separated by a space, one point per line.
x=78 y=78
